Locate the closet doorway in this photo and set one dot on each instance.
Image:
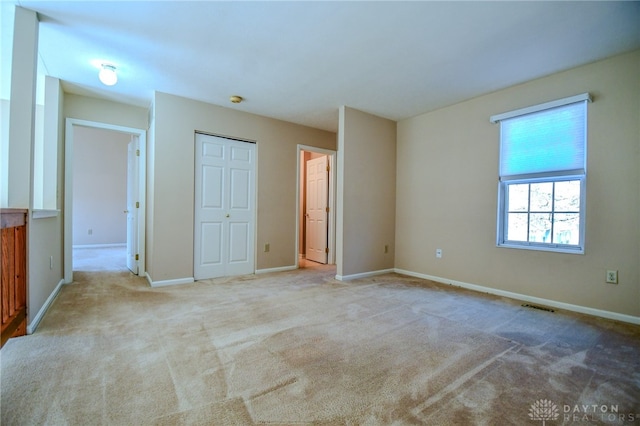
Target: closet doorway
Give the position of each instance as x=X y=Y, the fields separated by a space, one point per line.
x=225 y=207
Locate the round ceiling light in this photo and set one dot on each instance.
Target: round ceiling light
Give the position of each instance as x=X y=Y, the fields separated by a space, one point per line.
x=236 y=99
x=107 y=75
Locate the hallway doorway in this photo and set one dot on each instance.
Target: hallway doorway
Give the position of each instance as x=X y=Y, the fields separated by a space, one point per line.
x=105 y=182
x=316 y=206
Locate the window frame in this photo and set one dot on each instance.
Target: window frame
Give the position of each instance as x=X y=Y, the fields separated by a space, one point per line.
x=553 y=176
x=503 y=211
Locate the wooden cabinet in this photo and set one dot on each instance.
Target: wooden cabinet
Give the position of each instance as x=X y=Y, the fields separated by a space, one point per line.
x=14 y=273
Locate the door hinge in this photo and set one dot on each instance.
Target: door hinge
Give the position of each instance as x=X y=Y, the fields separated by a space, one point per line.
x=327 y=209
x=328 y=168
x=326 y=250
x=137 y=204
x=137 y=257
x=137 y=153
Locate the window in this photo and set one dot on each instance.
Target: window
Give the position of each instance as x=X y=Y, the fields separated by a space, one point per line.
x=541 y=192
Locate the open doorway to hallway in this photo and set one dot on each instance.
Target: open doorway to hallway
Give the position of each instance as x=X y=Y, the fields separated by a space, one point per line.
x=105 y=180
x=316 y=205
x=99 y=198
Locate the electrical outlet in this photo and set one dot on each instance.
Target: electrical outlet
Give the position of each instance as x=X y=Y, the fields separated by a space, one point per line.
x=266 y=248
x=90 y=232
x=438 y=253
x=612 y=277
x=386 y=248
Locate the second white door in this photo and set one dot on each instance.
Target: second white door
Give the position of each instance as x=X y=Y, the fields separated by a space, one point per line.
x=132 y=203
x=317 y=205
x=224 y=207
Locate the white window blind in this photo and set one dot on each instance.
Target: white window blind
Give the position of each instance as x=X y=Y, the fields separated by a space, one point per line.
x=550 y=140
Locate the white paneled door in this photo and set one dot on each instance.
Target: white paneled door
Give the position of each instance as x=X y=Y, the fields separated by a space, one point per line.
x=133 y=157
x=317 y=206
x=224 y=207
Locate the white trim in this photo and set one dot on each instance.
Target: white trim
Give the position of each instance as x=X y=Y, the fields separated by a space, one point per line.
x=556 y=248
x=33 y=325
x=540 y=107
x=96 y=246
x=331 y=241
x=554 y=176
x=364 y=274
x=43 y=213
x=501 y=242
x=522 y=297
x=279 y=269
x=68 y=191
x=165 y=283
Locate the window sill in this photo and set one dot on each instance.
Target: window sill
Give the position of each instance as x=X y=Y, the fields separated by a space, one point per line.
x=566 y=250
x=43 y=214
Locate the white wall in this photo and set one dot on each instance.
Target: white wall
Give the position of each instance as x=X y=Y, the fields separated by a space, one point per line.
x=22 y=107
x=46 y=258
x=447 y=193
x=44 y=246
x=99 y=186
x=7 y=16
x=4 y=152
x=366 y=193
x=104 y=111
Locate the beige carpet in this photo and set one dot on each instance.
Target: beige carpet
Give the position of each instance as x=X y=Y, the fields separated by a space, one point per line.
x=302 y=348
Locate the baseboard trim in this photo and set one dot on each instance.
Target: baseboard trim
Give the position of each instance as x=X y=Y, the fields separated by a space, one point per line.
x=363 y=275
x=33 y=325
x=523 y=297
x=94 y=246
x=165 y=283
x=278 y=269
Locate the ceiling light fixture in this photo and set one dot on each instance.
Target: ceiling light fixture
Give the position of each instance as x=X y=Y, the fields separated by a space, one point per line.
x=236 y=99
x=107 y=75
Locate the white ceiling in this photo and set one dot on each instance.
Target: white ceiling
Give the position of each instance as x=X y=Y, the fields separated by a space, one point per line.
x=299 y=61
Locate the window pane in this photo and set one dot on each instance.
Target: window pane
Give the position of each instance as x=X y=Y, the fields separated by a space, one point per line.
x=540 y=227
x=517 y=227
x=541 y=196
x=518 y=197
x=567 y=196
x=566 y=228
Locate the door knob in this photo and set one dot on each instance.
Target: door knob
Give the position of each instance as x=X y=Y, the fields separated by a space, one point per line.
x=227 y=215
x=126 y=211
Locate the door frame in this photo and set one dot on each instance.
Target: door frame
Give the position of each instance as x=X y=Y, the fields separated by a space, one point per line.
x=68 y=190
x=331 y=220
x=133 y=164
